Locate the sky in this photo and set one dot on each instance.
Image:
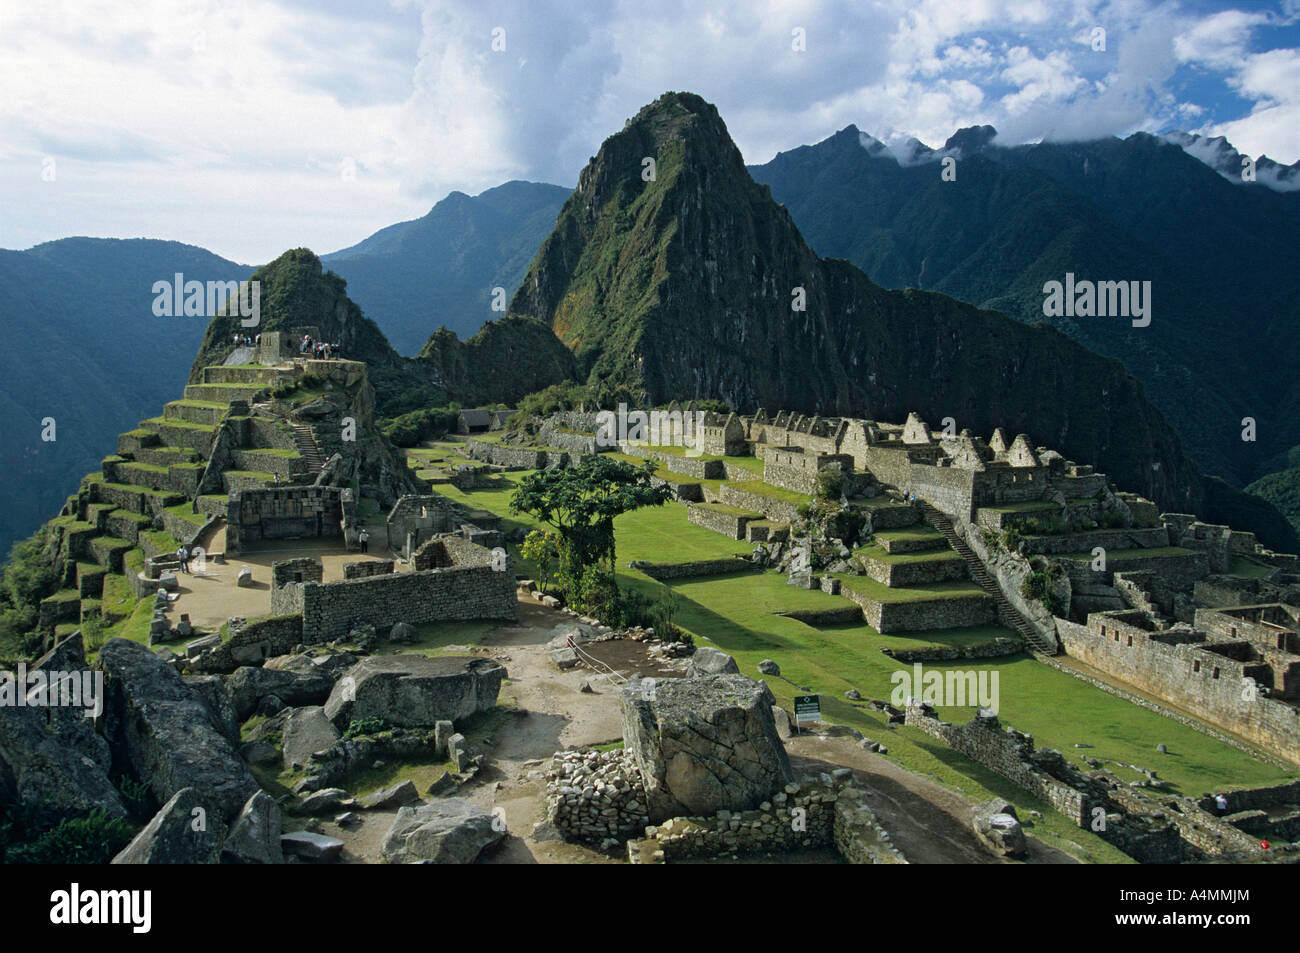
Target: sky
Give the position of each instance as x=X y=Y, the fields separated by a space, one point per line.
x=250 y=127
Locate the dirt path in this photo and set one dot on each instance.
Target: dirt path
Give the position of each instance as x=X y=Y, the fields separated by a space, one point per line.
x=927 y=822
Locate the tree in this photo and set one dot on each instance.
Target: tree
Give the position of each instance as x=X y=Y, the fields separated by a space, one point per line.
x=543 y=549
x=581 y=503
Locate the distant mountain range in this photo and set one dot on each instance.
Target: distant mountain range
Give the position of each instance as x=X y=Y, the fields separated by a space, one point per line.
x=1220 y=256
x=83 y=346
x=440 y=270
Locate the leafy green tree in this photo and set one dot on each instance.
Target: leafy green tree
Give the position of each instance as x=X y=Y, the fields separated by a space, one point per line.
x=581 y=503
x=542 y=548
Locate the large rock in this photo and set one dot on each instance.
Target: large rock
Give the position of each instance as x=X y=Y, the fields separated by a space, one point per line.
x=162 y=729
x=53 y=756
x=710 y=661
x=315 y=848
x=212 y=690
x=402 y=794
x=254 y=838
x=997 y=826
x=249 y=686
x=306 y=731
x=188 y=829
x=704 y=744
x=413 y=691
x=447 y=831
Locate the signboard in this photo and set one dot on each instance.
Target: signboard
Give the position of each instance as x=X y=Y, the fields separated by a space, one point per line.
x=807 y=708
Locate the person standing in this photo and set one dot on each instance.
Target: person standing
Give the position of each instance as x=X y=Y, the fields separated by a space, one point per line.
x=364 y=540
x=183 y=556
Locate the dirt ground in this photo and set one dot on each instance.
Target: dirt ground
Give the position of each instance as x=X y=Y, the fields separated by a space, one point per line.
x=927 y=822
x=210 y=595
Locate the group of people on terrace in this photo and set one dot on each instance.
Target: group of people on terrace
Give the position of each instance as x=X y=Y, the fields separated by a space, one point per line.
x=319 y=349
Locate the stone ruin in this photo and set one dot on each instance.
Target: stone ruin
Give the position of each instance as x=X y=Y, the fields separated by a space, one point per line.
x=703 y=772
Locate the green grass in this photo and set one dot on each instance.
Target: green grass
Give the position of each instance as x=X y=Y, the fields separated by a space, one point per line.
x=161 y=540
x=727 y=509
x=760 y=488
x=868 y=587
x=919 y=531
x=929 y=556
x=752 y=464
x=1247 y=568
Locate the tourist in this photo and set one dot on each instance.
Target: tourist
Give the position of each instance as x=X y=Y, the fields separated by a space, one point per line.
x=183 y=556
x=364 y=540
x=1221 y=803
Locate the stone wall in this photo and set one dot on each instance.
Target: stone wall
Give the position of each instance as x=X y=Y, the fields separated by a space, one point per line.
x=1179 y=668
x=898 y=575
x=702 y=567
x=251 y=642
x=471 y=589
x=1008 y=753
x=723 y=521
x=367 y=568
x=798 y=471
x=283 y=512
x=595 y=796
x=923 y=616
x=782 y=511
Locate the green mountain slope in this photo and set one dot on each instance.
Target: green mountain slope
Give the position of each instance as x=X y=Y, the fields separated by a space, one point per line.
x=82 y=346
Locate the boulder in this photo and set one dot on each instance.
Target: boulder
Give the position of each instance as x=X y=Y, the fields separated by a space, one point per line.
x=564 y=658
x=325 y=801
x=403 y=633
x=53 y=756
x=446 y=831
x=244 y=578
x=212 y=690
x=704 y=744
x=441 y=732
x=402 y=794
x=996 y=825
x=249 y=686
x=254 y=837
x=711 y=661
x=316 y=848
x=768 y=667
x=414 y=691
x=306 y=731
x=331 y=664
x=162 y=729
x=260 y=751
x=187 y=830
x=570 y=633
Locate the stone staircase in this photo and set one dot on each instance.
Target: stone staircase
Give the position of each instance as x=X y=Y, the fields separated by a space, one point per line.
x=1008 y=615
x=308 y=449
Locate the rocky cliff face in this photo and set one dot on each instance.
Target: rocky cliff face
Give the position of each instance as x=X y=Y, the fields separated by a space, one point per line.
x=689 y=284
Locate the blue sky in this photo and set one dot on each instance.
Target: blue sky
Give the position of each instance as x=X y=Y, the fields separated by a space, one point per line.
x=250 y=127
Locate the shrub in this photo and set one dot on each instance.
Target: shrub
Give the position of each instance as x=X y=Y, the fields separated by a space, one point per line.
x=830 y=483
x=93 y=839
x=365 y=726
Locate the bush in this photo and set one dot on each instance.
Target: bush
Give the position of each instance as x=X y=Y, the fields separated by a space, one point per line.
x=94 y=839
x=830 y=483
x=365 y=726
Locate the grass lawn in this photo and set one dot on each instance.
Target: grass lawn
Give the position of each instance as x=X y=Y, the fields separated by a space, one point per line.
x=928 y=556
x=878 y=591
x=1248 y=568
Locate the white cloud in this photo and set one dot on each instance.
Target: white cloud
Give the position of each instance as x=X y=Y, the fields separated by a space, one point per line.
x=229 y=123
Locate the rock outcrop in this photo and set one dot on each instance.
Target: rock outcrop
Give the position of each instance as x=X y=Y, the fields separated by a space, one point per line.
x=446 y=831
x=53 y=756
x=162 y=730
x=187 y=830
x=414 y=691
x=703 y=744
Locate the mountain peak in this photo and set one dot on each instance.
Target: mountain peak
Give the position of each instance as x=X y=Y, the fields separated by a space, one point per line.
x=971 y=139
